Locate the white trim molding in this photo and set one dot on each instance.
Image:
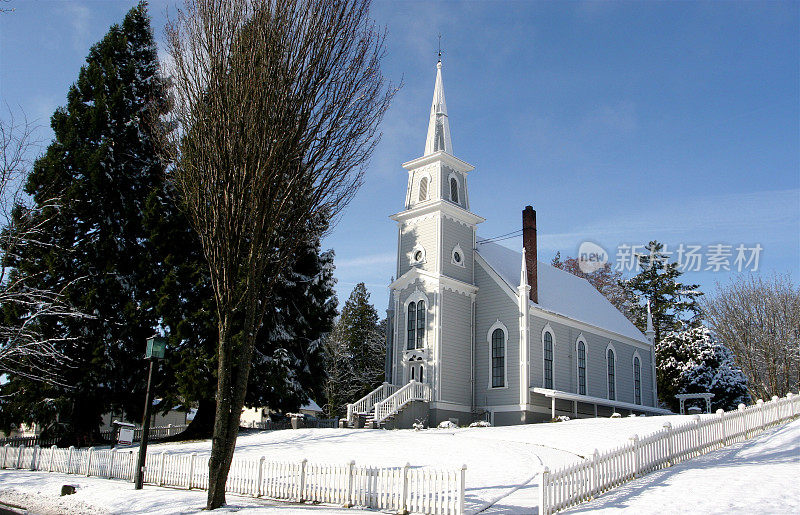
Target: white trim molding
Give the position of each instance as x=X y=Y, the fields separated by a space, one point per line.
x=498 y=325
x=461 y=260
x=412 y=255
x=548 y=329
x=581 y=339
x=611 y=347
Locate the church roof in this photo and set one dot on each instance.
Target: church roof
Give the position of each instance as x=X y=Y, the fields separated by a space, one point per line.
x=561 y=292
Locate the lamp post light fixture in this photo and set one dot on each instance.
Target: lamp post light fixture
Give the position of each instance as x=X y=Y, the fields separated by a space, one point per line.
x=154 y=351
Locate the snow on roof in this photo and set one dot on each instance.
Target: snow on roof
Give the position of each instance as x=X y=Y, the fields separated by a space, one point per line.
x=311 y=406
x=561 y=292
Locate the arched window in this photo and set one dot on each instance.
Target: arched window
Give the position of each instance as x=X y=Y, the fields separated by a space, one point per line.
x=498 y=358
x=420 y=324
x=454 y=189
x=581 y=367
x=637 y=380
x=423 y=189
x=548 y=360
x=612 y=379
x=411 y=319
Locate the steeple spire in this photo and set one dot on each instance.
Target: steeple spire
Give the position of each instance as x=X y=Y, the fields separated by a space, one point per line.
x=649 y=332
x=438 y=127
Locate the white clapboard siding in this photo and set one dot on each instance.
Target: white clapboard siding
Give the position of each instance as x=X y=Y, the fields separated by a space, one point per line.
x=420 y=490
x=584 y=480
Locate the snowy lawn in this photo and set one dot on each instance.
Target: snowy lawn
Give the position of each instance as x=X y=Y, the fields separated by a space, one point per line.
x=502 y=463
x=755 y=476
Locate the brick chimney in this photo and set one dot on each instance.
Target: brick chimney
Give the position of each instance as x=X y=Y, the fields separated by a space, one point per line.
x=529 y=242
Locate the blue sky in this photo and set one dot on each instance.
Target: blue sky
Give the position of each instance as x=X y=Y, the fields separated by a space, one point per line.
x=620 y=122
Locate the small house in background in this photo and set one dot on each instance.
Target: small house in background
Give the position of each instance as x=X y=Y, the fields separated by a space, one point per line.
x=177 y=416
x=252 y=416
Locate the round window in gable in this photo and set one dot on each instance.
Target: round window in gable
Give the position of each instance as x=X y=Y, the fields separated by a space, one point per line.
x=418 y=256
x=457 y=257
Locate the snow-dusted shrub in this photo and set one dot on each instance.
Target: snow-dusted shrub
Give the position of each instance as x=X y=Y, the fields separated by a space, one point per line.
x=418 y=425
x=446 y=424
x=632 y=415
x=616 y=415
x=695 y=361
x=480 y=423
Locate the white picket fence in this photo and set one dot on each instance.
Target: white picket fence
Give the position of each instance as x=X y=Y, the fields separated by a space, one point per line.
x=582 y=481
x=400 y=489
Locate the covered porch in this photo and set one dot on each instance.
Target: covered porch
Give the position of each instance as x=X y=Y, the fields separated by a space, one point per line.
x=576 y=398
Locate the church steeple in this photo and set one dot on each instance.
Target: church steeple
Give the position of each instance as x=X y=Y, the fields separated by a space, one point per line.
x=438 y=127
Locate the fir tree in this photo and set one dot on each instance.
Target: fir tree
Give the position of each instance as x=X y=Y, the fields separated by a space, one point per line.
x=675 y=307
x=700 y=363
x=355 y=352
x=101 y=168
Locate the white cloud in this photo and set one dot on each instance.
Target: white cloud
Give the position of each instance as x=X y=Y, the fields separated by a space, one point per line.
x=78 y=16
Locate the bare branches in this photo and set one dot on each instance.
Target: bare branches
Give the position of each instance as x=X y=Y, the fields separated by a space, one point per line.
x=24 y=351
x=758 y=318
x=277 y=107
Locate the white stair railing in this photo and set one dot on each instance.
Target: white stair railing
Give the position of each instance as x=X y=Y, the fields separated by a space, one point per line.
x=363 y=405
x=392 y=405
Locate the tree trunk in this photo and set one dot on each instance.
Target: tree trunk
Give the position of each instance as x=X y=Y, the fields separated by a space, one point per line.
x=233 y=373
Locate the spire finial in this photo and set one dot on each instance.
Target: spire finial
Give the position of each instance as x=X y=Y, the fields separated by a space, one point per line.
x=440 y=47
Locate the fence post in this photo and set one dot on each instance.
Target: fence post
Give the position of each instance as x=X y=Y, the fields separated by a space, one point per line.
x=301 y=493
x=191 y=471
x=35 y=457
x=544 y=509
x=776 y=409
x=5 y=454
x=161 y=469
x=670 y=447
x=404 y=499
x=69 y=459
x=760 y=404
x=595 y=473
x=635 y=442
x=723 y=433
x=20 y=452
x=349 y=497
x=111 y=463
x=259 y=489
x=697 y=434
x=461 y=488
x=50 y=465
x=791 y=403
x=89 y=461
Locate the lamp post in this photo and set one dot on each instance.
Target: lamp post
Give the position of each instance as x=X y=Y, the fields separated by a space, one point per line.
x=155 y=351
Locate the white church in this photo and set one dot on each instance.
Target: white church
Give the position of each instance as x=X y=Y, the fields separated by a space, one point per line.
x=481 y=332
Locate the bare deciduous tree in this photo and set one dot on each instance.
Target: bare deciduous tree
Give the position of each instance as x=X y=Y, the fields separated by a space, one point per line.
x=24 y=351
x=277 y=106
x=758 y=318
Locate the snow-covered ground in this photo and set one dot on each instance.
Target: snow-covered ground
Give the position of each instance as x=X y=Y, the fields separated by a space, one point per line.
x=502 y=467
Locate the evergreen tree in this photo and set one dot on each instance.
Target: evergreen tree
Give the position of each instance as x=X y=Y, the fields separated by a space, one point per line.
x=700 y=363
x=675 y=307
x=101 y=168
x=355 y=353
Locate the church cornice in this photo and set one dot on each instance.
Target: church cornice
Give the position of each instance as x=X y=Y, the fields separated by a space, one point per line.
x=440 y=156
x=447 y=208
x=434 y=281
